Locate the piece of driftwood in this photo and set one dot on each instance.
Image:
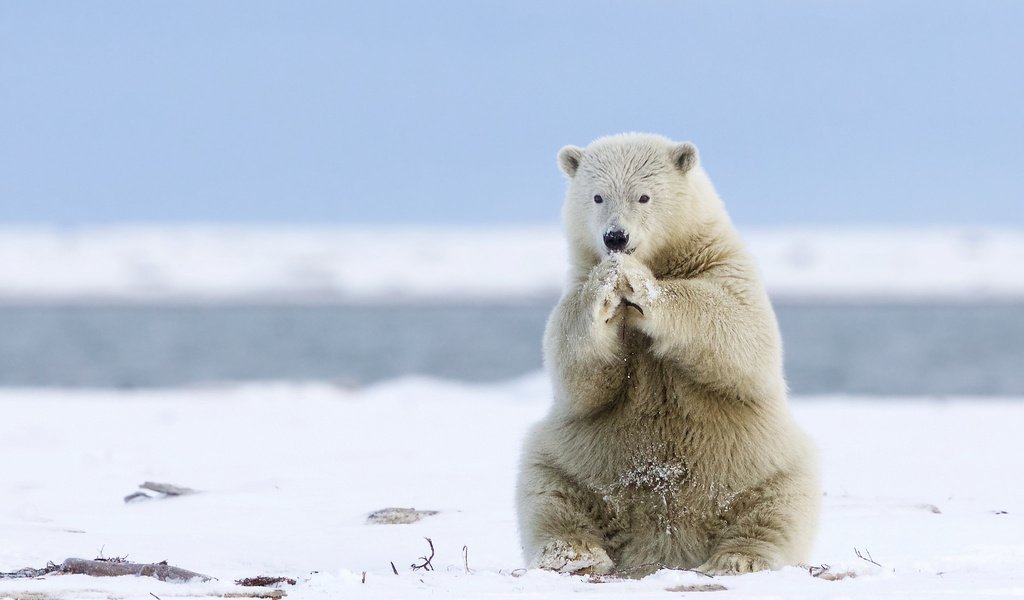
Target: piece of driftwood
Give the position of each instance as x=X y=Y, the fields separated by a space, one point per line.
x=163 y=490
x=397 y=516
x=103 y=568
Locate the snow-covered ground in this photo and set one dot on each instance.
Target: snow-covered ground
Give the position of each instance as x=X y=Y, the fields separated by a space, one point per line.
x=288 y=473
x=195 y=263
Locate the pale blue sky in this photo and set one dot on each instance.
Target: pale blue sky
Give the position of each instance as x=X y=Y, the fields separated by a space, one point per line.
x=840 y=112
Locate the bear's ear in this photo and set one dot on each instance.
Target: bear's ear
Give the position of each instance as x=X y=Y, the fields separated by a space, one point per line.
x=569 y=159
x=684 y=156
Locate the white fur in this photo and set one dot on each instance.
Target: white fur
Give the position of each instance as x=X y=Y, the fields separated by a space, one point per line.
x=669 y=442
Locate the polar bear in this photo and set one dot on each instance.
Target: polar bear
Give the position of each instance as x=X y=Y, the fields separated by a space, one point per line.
x=669 y=442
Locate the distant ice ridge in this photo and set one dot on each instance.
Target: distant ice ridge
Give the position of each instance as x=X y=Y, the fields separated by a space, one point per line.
x=416 y=264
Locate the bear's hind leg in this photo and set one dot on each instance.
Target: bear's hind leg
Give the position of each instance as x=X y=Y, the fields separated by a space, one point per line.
x=558 y=523
x=774 y=526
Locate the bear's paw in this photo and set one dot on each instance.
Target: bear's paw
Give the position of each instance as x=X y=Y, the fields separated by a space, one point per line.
x=734 y=563
x=603 y=284
x=637 y=284
x=575 y=559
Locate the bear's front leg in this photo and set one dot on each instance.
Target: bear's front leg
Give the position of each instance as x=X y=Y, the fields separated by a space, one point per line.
x=722 y=330
x=582 y=344
x=600 y=296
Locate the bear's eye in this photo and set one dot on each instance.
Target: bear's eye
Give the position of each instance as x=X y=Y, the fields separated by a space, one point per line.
x=598 y=199
x=645 y=199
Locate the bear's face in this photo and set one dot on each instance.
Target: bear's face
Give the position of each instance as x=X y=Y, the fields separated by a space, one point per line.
x=627 y=193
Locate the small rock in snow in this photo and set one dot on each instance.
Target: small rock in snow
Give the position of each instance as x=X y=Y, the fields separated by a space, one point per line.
x=397 y=516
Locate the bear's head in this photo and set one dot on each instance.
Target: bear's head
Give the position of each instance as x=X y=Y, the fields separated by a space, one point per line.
x=632 y=193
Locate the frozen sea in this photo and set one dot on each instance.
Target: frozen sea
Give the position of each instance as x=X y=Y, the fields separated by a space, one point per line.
x=871 y=349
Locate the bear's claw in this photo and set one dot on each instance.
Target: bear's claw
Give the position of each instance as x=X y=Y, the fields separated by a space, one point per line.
x=634 y=305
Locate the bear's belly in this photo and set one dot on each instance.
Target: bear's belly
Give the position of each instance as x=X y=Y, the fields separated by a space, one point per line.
x=662 y=513
x=661 y=480
x=658 y=466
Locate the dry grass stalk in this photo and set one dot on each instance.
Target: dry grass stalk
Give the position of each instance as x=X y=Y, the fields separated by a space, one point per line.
x=867 y=558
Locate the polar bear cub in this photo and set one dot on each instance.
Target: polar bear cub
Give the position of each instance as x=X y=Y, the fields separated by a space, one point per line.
x=669 y=442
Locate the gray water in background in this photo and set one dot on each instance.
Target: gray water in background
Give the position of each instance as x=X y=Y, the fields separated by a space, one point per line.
x=865 y=349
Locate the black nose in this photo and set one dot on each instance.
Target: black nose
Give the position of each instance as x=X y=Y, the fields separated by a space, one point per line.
x=616 y=240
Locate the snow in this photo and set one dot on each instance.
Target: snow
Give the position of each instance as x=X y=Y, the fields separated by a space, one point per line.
x=288 y=473
x=394 y=264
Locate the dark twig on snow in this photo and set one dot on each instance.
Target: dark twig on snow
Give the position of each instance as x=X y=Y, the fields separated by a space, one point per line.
x=465 y=558
x=393 y=568
x=113 y=559
x=867 y=558
x=425 y=565
x=824 y=571
x=263 y=581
